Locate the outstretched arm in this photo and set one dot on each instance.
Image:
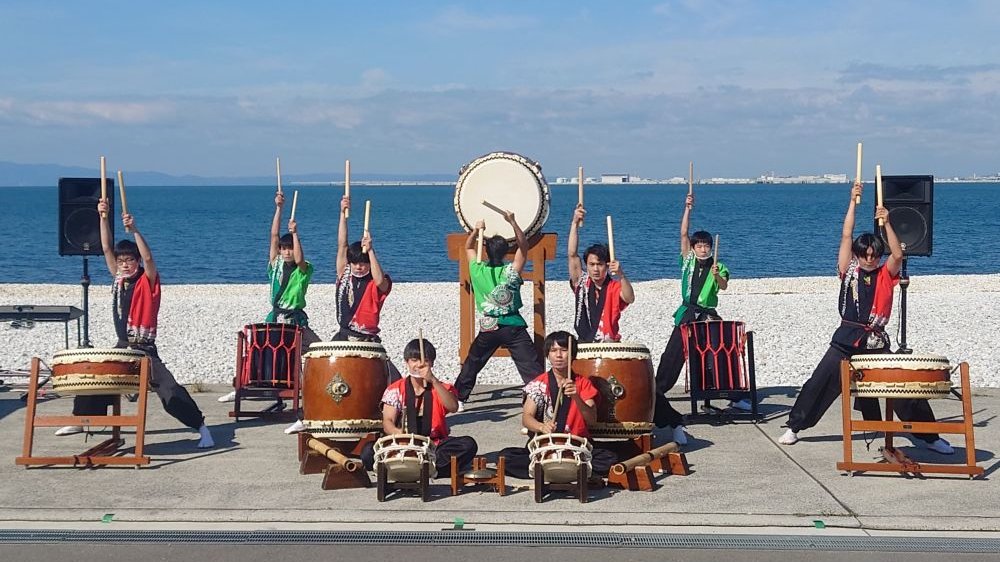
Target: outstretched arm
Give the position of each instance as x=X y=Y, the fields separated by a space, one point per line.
x=378 y=276
x=521 y=255
x=847 y=233
x=345 y=203
x=140 y=241
x=573 y=259
x=297 y=254
x=628 y=294
x=107 y=240
x=895 y=260
x=279 y=200
x=685 y=224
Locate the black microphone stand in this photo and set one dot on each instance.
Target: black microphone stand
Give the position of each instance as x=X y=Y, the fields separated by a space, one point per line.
x=85 y=283
x=904 y=282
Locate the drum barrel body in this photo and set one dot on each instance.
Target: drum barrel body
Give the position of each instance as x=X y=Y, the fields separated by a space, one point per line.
x=623 y=375
x=272 y=355
x=715 y=355
x=339 y=387
x=95 y=371
x=900 y=376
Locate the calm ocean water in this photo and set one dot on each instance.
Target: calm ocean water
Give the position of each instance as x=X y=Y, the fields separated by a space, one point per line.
x=219 y=234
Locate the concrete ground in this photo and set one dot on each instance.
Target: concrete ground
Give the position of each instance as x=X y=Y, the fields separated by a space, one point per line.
x=742 y=481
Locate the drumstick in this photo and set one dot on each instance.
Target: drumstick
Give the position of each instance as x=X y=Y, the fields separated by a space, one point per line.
x=347 y=185
x=570 y=367
x=715 y=251
x=479 y=246
x=121 y=189
x=611 y=240
x=368 y=211
x=420 y=340
x=857 y=175
x=295 y=201
x=278 y=165
x=691 y=177
x=878 y=190
x=579 y=186
x=494 y=207
x=104 y=184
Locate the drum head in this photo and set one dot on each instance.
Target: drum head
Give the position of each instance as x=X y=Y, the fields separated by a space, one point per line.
x=509 y=181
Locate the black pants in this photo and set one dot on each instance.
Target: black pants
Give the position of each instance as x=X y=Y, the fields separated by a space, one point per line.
x=823 y=388
x=667 y=373
x=517 y=461
x=175 y=398
x=465 y=448
x=515 y=339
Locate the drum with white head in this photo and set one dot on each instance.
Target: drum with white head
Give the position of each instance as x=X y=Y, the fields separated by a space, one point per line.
x=891 y=375
x=559 y=456
x=509 y=181
x=404 y=455
x=91 y=371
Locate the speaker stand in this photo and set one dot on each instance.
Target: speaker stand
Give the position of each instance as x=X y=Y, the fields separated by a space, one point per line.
x=904 y=283
x=85 y=283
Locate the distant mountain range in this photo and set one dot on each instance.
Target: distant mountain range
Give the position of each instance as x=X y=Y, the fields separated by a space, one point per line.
x=25 y=175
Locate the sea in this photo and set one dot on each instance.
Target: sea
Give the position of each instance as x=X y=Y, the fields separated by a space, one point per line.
x=219 y=234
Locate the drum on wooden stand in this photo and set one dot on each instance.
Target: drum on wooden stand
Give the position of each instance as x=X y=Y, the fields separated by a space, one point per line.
x=271 y=355
x=342 y=387
x=623 y=374
x=404 y=455
x=93 y=371
x=559 y=456
x=509 y=181
x=715 y=354
x=888 y=375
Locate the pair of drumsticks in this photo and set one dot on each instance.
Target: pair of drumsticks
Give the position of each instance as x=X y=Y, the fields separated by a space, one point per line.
x=878 y=183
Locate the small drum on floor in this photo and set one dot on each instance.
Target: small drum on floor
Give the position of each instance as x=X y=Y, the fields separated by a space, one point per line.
x=715 y=354
x=509 y=181
x=559 y=456
x=342 y=387
x=271 y=356
x=889 y=375
x=404 y=455
x=623 y=373
x=93 y=371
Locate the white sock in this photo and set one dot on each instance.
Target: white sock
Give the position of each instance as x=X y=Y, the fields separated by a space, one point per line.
x=789 y=438
x=206 y=440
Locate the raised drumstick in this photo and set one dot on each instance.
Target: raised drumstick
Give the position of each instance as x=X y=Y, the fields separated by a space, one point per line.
x=295 y=202
x=479 y=246
x=277 y=163
x=611 y=240
x=715 y=251
x=347 y=185
x=579 y=187
x=420 y=341
x=121 y=189
x=104 y=184
x=878 y=190
x=691 y=177
x=368 y=212
x=489 y=205
x=857 y=175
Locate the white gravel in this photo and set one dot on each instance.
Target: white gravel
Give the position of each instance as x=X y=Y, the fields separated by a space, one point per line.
x=792 y=320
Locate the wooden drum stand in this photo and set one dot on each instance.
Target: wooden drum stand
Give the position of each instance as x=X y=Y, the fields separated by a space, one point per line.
x=895 y=460
x=330 y=457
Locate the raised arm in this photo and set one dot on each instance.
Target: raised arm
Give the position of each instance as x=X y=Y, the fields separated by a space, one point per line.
x=345 y=204
x=847 y=232
x=140 y=241
x=378 y=276
x=628 y=294
x=471 y=243
x=297 y=253
x=574 y=264
x=279 y=200
x=685 y=224
x=107 y=240
x=895 y=259
x=521 y=254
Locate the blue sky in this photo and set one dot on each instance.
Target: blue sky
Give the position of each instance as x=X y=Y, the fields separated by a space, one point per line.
x=740 y=87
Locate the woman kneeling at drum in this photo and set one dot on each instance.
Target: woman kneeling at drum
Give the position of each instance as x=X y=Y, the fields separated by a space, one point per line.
x=865 y=304
x=418 y=404
x=558 y=401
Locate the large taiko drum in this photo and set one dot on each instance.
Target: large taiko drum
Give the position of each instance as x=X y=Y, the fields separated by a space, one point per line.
x=271 y=356
x=342 y=387
x=509 y=181
x=404 y=455
x=715 y=355
x=559 y=456
x=888 y=375
x=623 y=374
x=92 y=371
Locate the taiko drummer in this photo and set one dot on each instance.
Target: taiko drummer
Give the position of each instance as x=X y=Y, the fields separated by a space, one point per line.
x=418 y=404
x=865 y=303
x=602 y=291
x=135 y=306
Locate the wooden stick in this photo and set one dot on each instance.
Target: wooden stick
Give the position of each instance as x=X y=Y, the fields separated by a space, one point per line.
x=878 y=190
x=368 y=212
x=479 y=246
x=494 y=207
x=333 y=455
x=691 y=177
x=347 y=185
x=857 y=175
x=104 y=184
x=278 y=165
x=643 y=459
x=611 y=239
x=121 y=189
x=420 y=340
x=715 y=251
x=295 y=202
x=579 y=187
x=569 y=340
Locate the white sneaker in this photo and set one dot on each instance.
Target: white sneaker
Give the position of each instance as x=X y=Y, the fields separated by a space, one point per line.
x=679 y=436
x=206 y=441
x=789 y=438
x=940 y=446
x=743 y=405
x=296 y=427
x=461 y=407
x=231 y=397
x=69 y=430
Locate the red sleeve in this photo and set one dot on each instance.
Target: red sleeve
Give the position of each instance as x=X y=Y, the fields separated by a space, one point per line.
x=450 y=388
x=586 y=389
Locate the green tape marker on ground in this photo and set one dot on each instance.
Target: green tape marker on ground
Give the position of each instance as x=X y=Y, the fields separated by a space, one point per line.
x=107 y=517
x=819 y=524
x=459 y=523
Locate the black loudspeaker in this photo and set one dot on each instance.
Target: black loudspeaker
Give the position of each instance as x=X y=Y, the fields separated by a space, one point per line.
x=79 y=221
x=910 y=202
